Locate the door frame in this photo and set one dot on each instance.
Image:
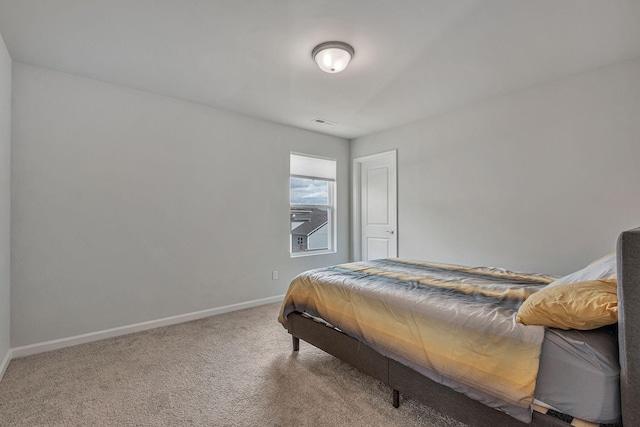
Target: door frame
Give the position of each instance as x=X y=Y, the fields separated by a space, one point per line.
x=356 y=226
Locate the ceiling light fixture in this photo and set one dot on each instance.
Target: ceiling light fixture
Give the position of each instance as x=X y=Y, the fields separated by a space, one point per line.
x=332 y=57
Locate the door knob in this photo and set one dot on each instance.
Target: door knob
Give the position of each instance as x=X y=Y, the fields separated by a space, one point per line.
x=390 y=231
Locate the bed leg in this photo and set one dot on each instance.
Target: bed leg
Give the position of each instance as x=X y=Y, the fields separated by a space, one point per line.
x=296 y=343
x=396 y=398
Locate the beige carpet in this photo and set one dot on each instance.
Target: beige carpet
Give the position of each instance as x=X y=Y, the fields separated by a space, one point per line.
x=235 y=369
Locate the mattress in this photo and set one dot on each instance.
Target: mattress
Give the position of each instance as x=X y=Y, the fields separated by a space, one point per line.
x=579 y=374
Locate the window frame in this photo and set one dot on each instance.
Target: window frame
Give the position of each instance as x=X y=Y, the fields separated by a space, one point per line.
x=331 y=207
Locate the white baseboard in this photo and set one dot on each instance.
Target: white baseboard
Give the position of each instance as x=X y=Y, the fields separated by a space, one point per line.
x=31 y=349
x=5 y=363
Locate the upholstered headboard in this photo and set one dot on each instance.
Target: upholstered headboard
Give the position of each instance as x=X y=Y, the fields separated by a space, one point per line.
x=628 y=256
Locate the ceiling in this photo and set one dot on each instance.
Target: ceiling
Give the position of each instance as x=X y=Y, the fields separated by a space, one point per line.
x=414 y=58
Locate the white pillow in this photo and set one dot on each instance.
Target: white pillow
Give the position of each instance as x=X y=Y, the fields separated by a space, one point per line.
x=602 y=269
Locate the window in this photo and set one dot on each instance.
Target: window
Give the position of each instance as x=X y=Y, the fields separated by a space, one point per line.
x=312 y=210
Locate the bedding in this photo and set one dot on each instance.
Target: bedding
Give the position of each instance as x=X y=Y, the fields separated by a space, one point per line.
x=579 y=374
x=455 y=325
x=580 y=305
x=604 y=268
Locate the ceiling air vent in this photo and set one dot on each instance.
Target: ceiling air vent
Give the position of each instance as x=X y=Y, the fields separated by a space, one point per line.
x=324 y=122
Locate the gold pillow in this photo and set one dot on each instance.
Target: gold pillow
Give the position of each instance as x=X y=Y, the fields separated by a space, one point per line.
x=580 y=305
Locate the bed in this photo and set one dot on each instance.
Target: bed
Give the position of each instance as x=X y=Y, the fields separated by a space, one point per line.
x=609 y=354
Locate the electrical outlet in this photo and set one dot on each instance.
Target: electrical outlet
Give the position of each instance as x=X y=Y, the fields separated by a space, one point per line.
x=274 y=275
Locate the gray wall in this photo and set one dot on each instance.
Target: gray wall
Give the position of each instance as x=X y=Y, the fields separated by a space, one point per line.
x=539 y=180
x=129 y=207
x=5 y=196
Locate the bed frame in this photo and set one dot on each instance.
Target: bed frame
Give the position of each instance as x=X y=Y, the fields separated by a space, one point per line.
x=403 y=379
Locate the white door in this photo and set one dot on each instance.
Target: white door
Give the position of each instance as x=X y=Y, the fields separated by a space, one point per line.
x=377 y=206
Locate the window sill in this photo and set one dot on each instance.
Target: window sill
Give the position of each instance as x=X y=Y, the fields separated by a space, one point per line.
x=310 y=253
